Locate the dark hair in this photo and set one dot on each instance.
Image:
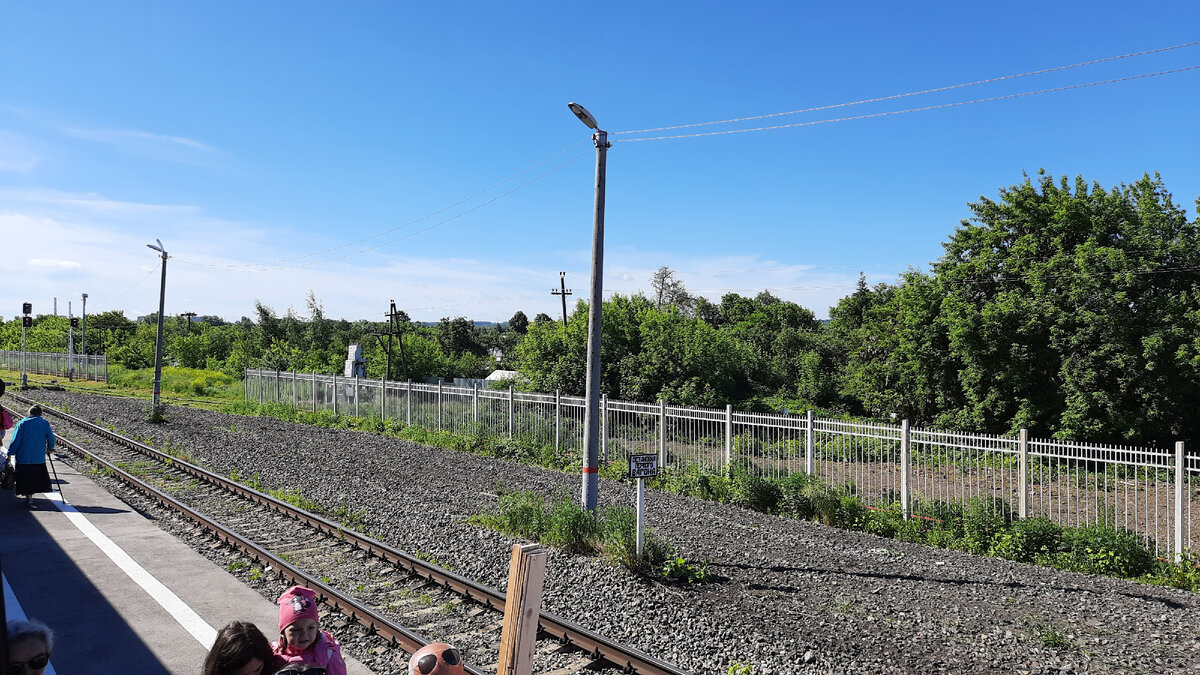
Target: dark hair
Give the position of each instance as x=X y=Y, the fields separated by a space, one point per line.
x=236 y=644
x=35 y=411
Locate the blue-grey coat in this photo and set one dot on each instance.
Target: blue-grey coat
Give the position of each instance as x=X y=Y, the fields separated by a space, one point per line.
x=31 y=439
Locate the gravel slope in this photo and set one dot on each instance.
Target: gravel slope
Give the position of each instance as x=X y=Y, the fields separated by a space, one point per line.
x=799 y=597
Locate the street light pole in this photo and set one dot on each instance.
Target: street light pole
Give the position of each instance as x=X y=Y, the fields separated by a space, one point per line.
x=591 y=415
x=162 y=294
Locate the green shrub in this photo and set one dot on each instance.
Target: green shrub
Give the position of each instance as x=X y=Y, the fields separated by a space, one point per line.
x=1099 y=549
x=794 y=501
x=1026 y=540
x=620 y=542
x=572 y=528
x=521 y=513
x=983 y=520
x=756 y=493
x=679 y=569
x=1184 y=575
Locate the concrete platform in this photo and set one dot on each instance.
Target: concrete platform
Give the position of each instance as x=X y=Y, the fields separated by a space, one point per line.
x=122 y=595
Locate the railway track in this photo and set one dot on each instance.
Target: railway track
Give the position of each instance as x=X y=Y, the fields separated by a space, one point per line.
x=400 y=597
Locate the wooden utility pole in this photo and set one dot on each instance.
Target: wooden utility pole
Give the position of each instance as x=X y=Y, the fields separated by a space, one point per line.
x=188 y=316
x=562 y=282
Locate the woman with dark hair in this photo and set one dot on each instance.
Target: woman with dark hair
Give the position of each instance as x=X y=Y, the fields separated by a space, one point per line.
x=241 y=649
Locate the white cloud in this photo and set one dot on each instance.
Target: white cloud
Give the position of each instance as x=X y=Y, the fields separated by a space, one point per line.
x=131 y=139
x=52 y=264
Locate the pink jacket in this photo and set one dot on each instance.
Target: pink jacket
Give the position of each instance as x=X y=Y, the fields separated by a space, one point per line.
x=324 y=653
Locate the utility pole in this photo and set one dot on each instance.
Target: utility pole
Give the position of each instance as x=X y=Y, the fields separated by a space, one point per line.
x=394 y=330
x=70 y=344
x=188 y=316
x=562 y=282
x=83 y=349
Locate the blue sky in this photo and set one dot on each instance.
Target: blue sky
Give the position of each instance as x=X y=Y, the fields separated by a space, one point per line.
x=261 y=141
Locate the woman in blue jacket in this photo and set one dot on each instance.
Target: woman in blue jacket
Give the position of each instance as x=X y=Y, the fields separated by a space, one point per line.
x=31 y=440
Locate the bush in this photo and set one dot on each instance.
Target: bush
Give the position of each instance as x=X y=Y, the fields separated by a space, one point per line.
x=756 y=493
x=983 y=520
x=620 y=542
x=794 y=501
x=1026 y=540
x=1098 y=549
x=572 y=528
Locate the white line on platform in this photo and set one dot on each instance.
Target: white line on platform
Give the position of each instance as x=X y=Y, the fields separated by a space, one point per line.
x=14 y=612
x=186 y=616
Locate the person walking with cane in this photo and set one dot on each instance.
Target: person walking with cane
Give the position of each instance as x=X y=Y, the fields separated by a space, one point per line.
x=31 y=440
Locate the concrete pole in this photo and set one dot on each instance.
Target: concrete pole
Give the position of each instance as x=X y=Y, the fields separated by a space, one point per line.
x=70 y=345
x=591 y=427
x=162 y=296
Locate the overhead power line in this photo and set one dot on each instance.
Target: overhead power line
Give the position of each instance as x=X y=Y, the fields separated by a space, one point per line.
x=911 y=93
x=912 y=110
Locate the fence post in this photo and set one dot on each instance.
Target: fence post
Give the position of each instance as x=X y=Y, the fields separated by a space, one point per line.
x=408 y=403
x=728 y=434
x=276 y=397
x=1023 y=475
x=475 y=406
x=905 y=452
x=335 y=395
x=260 y=388
x=510 y=412
x=357 y=391
x=810 y=455
x=558 y=420
x=313 y=375
x=1180 y=479
x=383 y=398
x=439 y=406
x=293 y=390
x=662 y=433
x=245 y=386
x=604 y=427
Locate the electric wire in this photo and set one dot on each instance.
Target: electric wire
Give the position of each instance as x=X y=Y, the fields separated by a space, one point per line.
x=271 y=263
x=135 y=285
x=911 y=110
x=912 y=93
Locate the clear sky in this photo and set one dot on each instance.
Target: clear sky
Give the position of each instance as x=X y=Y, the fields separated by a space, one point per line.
x=372 y=151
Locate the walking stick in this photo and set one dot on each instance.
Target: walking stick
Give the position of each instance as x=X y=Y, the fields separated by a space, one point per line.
x=57 y=482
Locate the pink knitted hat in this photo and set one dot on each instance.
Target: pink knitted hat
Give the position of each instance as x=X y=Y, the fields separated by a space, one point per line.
x=296 y=603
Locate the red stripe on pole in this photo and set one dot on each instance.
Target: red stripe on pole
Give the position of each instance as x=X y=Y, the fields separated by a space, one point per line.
x=591 y=469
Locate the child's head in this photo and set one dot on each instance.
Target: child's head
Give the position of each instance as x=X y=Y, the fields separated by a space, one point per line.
x=298 y=618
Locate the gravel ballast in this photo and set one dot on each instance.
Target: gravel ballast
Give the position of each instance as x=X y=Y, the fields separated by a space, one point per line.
x=797 y=597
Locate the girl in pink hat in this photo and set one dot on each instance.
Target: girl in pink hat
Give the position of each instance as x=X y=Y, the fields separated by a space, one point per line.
x=301 y=640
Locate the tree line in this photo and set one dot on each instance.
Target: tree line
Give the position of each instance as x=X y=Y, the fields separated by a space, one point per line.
x=1060 y=307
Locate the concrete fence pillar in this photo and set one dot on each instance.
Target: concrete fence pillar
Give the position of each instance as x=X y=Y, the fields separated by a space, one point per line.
x=810 y=451
x=1180 y=481
x=1023 y=474
x=728 y=434
x=905 y=469
x=662 y=433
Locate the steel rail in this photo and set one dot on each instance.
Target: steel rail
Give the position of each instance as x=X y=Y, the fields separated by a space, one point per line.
x=599 y=647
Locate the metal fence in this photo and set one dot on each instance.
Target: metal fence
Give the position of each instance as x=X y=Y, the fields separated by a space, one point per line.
x=1149 y=491
x=82 y=366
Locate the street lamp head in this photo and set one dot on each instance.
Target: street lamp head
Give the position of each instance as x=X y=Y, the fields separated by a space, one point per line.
x=584 y=116
x=85 y=296
x=158 y=248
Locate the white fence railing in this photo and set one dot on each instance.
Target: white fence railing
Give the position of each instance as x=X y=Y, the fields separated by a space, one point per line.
x=1149 y=491
x=82 y=366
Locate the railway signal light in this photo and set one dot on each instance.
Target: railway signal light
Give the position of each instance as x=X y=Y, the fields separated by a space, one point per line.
x=27 y=308
x=27 y=321
x=74 y=322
